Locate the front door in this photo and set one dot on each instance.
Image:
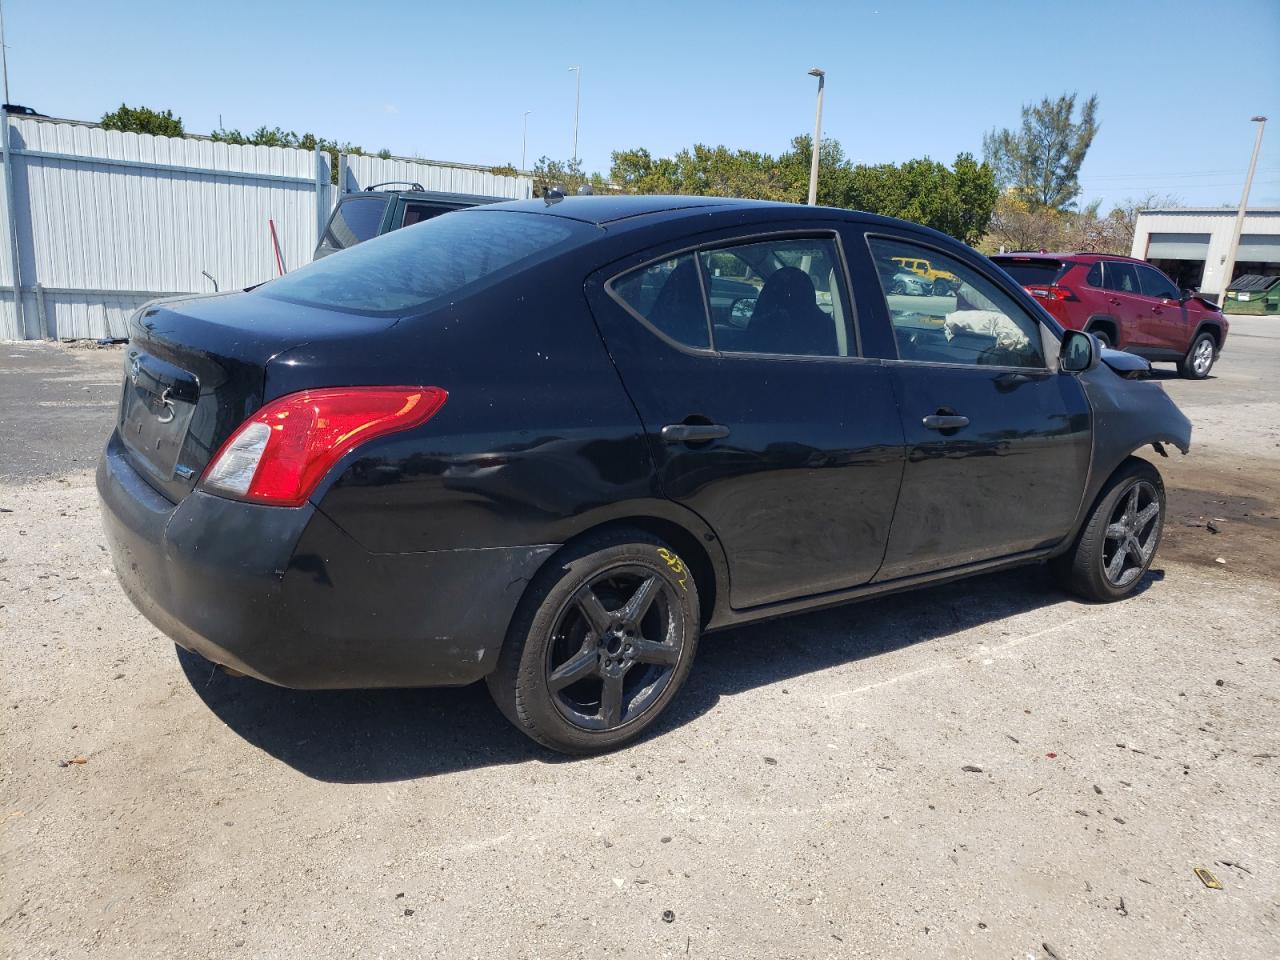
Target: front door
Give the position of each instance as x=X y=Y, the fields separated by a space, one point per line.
x=742 y=360
x=997 y=442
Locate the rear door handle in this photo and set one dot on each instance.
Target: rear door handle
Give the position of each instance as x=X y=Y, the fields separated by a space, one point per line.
x=693 y=432
x=936 y=421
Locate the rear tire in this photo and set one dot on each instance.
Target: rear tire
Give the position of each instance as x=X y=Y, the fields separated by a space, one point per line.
x=1200 y=358
x=1105 y=337
x=1119 y=539
x=602 y=641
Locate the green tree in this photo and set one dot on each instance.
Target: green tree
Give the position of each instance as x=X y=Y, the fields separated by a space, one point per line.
x=957 y=200
x=1040 y=162
x=143 y=120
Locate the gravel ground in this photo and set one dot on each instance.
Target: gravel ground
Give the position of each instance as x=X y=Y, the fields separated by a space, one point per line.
x=811 y=795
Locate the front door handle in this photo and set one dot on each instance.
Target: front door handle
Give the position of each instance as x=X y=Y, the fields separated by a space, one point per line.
x=693 y=432
x=938 y=421
x=1115 y=300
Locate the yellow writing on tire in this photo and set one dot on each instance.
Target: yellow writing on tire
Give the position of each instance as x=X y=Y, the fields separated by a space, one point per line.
x=676 y=565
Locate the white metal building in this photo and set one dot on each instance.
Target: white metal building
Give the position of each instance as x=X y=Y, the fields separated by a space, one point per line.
x=1190 y=243
x=94 y=222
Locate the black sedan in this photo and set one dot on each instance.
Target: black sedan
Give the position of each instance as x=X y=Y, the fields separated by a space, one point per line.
x=549 y=444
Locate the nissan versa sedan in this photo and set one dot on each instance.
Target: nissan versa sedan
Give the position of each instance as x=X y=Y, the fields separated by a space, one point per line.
x=548 y=444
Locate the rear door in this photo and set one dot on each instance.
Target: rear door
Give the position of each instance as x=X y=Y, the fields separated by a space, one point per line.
x=761 y=415
x=1165 y=320
x=998 y=443
x=1129 y=306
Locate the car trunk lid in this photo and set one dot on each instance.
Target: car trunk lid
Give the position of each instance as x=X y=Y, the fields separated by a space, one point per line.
x=195 y=368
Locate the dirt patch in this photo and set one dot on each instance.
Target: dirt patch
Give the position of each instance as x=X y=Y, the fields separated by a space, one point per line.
x=1220 y=508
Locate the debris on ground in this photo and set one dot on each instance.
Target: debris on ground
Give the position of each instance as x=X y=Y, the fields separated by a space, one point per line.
x=1053 y=954
x=1122 y=909
x=78 y=761
x=668 y=916
x=1207 y=878
x=771 y=761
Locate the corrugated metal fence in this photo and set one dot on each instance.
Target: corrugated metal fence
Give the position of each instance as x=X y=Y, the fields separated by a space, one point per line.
x=107 y=220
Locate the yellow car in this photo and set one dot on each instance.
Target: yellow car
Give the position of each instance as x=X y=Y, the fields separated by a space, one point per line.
x=943 y=281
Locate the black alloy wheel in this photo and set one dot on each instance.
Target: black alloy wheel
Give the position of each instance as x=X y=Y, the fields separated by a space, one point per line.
x=614 y=648
x=1119 y=539
x=600 y=644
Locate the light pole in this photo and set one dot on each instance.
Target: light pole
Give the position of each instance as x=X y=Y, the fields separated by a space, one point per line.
x=524 y=142
x=577 y=108
x=1230 y=263
x=817 y=138
x=4 y=54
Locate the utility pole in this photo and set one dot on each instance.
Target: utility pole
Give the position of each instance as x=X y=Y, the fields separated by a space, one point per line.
x=524 y=142
x=817 y=138
x=577 y=109
x=15 y=264
x=1229 y=264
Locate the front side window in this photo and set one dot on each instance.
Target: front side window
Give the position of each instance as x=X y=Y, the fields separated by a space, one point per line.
x=1156 y=284
x=668 y=297
x=779 y=297
x=1120 y=277
x=355 y=221
x=973 y=322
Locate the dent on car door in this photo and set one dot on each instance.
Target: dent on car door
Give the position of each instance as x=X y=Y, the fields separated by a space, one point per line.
x=762 y=419
x=997 y=441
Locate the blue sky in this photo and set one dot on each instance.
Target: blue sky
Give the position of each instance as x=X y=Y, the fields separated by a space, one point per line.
x=1177 y=80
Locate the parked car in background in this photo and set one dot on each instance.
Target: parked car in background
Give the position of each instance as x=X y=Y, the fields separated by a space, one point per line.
x=531 y=443
x=940 y=281
x=1125 y=303
x=375 y=211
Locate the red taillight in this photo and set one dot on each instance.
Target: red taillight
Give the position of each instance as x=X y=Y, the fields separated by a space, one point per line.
x=280 y=454
x=1054 y=292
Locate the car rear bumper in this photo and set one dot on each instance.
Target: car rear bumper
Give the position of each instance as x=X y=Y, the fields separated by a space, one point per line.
x=284 y=595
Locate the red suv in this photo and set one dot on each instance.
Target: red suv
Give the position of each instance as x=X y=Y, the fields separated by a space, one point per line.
x=1126 y=303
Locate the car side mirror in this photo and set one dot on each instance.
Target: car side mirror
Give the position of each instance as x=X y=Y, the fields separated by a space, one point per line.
x=1080 y=352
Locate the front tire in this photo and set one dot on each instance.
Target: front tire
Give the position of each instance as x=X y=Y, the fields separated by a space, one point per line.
x=602 y=641
x=1118 y=542
x=1200 y=358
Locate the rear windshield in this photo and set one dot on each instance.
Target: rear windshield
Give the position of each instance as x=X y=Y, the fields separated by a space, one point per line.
x=402 y=271
x=1037 y=272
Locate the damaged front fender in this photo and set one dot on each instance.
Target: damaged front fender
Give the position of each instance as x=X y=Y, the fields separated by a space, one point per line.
x=1127 y=416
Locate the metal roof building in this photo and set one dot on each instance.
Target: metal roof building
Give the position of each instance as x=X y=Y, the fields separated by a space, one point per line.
x=1190 y=243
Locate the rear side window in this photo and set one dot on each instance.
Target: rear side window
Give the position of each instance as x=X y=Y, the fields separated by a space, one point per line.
x=1031 y=272
x=1156 y=284
x=355 y=221
x=1120 y=277
x=1094 y=279
x=417 y=212
x=668 y=297
x=405 y=270
x=777 y=297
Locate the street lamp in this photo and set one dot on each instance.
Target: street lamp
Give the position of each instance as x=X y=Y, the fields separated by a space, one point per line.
x=524 y=142
x=577 y=107
x=1229 y=264
x=817 y=138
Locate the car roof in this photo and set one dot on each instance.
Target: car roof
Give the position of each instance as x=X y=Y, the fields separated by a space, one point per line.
x=600 y=210
x=1076 y=257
